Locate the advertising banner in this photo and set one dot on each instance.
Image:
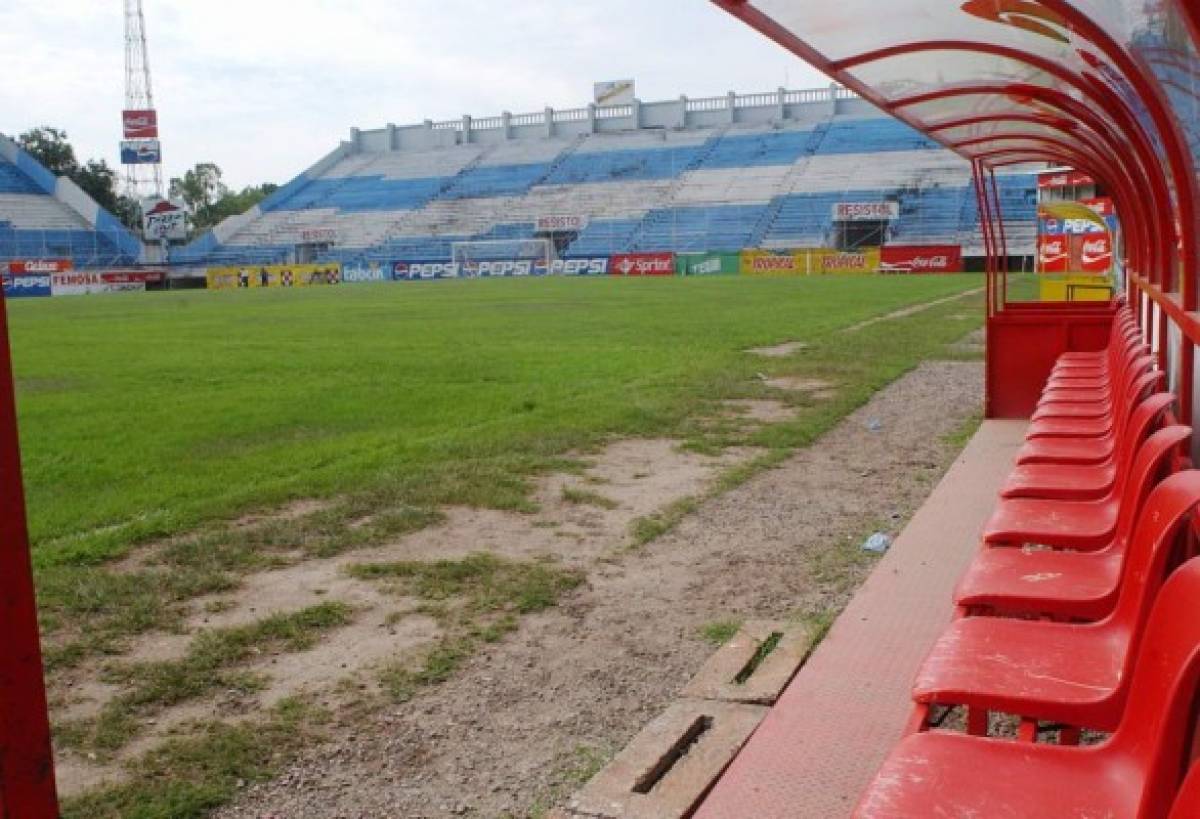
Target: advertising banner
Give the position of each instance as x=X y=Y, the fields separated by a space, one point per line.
x=770 y=263
x=164 y=220
x=1095 y=253
x=1064 y=179
x=866 y=211
x=501 y=269
x=319 y=236
x=26 y=285
x=145 y=152
x=708 y=264
x=614 y=92
x=921 y=259
x=274 y=275
x=79 y=283
x=829 y=262
x=365 y=272
x=417 y=271
x=642 y=264
x=140 y=124
x=584 y=266
x=560 y=224
x=1054 y=254
x=39 y=266
x=140 y=276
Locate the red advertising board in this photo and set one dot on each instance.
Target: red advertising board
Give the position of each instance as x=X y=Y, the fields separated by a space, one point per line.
x=1054 y=254
x=642 y=264
x=921 y=259
x=1101 y=205
x=1095 y=253
x=132 y=276
x=140 y=123
x=1064 y=179
x=39 y=266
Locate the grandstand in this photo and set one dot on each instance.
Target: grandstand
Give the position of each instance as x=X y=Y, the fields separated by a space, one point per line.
x=716 y=174
x=46 y=217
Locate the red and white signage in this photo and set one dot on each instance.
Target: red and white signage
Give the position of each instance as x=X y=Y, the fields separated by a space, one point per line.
x=642 y=264
x=319 y=236
x=1095 y=253
x=866 y=211
x=1101 y=205
x=921 y=259
x=563 y=223
x=1054 y=254
x=1065 y=179
x=133 y=276
x=39 y=266
x=140 y=124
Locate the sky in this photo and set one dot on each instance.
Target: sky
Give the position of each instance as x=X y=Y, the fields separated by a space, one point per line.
x=264 y=88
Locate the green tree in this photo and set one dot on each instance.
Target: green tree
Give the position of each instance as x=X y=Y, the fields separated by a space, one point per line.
x=51 y=147
x=200 y=188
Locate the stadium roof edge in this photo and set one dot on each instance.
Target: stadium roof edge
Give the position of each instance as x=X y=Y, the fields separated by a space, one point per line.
x=1069 y=81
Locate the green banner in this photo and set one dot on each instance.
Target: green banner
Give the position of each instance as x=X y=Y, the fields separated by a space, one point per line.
x=707 y=264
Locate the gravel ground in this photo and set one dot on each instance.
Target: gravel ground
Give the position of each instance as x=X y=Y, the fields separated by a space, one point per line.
x=510 y=734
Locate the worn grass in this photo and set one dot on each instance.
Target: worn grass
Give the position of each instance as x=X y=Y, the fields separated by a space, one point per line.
x=143 y=416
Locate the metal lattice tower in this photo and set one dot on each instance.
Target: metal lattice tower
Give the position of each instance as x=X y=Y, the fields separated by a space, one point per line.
x=140 y=180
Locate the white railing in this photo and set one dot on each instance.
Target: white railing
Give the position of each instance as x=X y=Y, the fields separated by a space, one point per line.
x=614 y=112
x=708 y=104
x=757 y=100
x=450 y=125
x=488 y=123
x=529 y=119
x=572 y=115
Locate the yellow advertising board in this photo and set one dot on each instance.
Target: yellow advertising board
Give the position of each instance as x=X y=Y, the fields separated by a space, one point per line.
x=274 y=275
x=1074 y=287
x=819 y=261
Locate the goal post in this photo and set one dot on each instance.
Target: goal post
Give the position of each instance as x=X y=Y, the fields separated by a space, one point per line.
x=503 y=257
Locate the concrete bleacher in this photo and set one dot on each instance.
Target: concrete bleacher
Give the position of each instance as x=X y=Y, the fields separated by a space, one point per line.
x=44 y=217
x=755 y=179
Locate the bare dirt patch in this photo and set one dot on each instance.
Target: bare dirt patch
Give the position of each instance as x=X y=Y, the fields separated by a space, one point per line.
x=814 y=387
x=783 y=350
x=525 y=719
x=580 y=518
x=759 y=410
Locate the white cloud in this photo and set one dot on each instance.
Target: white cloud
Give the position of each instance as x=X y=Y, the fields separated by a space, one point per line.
x=265 y=87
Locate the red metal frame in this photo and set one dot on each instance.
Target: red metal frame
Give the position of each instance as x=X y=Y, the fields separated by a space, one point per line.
x=27 y=789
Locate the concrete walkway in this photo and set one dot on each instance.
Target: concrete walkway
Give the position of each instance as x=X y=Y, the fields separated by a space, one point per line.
x=827 y=735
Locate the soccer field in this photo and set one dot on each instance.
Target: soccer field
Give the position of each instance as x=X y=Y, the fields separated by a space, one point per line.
x=146 y=415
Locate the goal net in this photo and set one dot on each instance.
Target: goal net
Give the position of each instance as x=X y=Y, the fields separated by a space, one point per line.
x=503 y=257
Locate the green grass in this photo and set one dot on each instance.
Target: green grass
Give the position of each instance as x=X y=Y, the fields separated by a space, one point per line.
x=147 y=415
x=212 y=662
x=720 y=632
x=187 y=777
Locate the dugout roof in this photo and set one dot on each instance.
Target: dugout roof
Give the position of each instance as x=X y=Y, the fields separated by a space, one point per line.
x=1111 y=87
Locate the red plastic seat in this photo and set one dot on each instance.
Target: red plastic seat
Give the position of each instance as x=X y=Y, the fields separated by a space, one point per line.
x=1064 y=584
x=1137 y=774
x=1084 y=524
x=1074 y=673
x=1057 y=422
x=1088 y=481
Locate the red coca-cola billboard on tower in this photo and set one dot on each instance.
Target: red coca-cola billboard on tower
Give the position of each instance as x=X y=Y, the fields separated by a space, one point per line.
x=920 y=259
x=642 y=264
x=140 y=124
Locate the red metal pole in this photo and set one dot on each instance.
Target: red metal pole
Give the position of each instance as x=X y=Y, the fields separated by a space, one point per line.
x=985 y=228
x=1003 y=239
x=27 y=789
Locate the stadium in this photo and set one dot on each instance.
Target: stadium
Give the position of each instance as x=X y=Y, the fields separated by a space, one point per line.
x=817 y=451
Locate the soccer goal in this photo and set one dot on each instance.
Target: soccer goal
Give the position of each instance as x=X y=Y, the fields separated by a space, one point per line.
x=503 y=257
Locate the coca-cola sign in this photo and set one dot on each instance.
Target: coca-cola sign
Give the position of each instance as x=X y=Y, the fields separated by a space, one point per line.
x=921 y=259
x=1096 y=254
x=1054 y=255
